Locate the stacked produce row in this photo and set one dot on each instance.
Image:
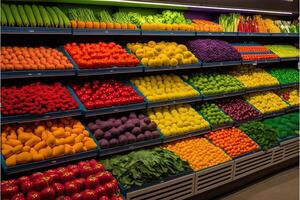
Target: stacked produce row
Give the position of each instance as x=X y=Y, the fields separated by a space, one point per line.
x=84 y=17
x=89 y=180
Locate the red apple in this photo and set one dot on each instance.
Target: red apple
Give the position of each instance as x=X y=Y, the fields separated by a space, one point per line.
x=85 y=171
x=26 y=186
x=54 y=177
x=104 y=177
x=18 y=197
x=70 y=188
x=79 y=183
x=36 y=175
x=33 y=196
x=59 y=189
x=100 y=191
x=7 y=191
x=48 y=193
x=98 y=168
x=39 y=184
x=50 y=171
x=91 y=182
x=93 y=162
x=23 y=179
x=67 y=176
x=89 y=195
x=83 y=163
x=77 y=196
x=104 y=198
x=61 y=170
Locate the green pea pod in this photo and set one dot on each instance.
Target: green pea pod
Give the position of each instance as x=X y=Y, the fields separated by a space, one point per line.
x=37 y=15
x=10 y=19
x=15 y=12
x=44 y=16
x=53 y=16
x=30 y=15
x=23 y=15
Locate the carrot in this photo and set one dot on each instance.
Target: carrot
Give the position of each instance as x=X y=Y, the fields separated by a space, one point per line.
x=117 y=26
x=96 y=25
x=102 y=25
x=73 y=23
x=109 y=25
x=81 y=24
x=124 y=26
x=89 y=25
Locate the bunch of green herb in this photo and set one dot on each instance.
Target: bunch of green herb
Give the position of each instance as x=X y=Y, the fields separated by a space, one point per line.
x=143 y=166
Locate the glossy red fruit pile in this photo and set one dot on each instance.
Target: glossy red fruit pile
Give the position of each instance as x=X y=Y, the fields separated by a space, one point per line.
x=36 y=98
x=99 y=94
x=87 y=180
x=100 y=55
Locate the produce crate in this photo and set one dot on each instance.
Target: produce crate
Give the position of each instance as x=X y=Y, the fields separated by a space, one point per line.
x=17 y=169
x=251 y=163
x=168 y=33
x=175 y=137
x=220 y=64
x=278 y=154
x=41 y=73
x=216 y=34
x=109 y=110
x=84 y=31
x=35 y=30
x=291 y=148
x=179 y=187
x=213 y=177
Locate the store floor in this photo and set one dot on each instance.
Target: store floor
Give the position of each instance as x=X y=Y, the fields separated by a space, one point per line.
x=283 y=185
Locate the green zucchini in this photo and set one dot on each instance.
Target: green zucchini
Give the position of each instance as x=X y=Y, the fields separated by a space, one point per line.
x=44 y=16
x=30 y=15
x=23 y=15
x=53 y=16
x=9 y=16
x=65 y=19
x=37 y=15
x=3 y=18
x=15 y=12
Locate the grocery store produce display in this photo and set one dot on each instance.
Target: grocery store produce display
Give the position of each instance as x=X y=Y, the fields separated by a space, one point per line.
x=198 y=152
x=285 y=125
x=215 y=83
x=266 y=102
x=130 y=128
x=100 y=55
x=290 y=95
x=253 y=77
x=164 y=87
x=106 y=93
x=177 y=119
x=254 y=51
x=84 y=180
x=36 y=98
x=27 y=143
x=208 y=50
x=262 y=134
x=285 y=75
x=33 y=58
x=144 y=166
x=238 y=109
x=213 y=114
x=284 y=51
x=33 y=16
x=234 y=142
x=158 y=54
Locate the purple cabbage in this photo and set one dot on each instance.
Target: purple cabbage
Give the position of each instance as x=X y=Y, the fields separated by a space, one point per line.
x=208 y=50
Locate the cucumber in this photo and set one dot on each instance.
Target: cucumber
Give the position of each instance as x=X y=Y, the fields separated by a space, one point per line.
x=44 y=16
x=65 y=19
x=53 y=16
x=9 y=16
x=37 y=15
x=15 y=12
x=30 y=15
x=60 y=19
x=23 y=15
x=3 y=18
x=50 y=18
